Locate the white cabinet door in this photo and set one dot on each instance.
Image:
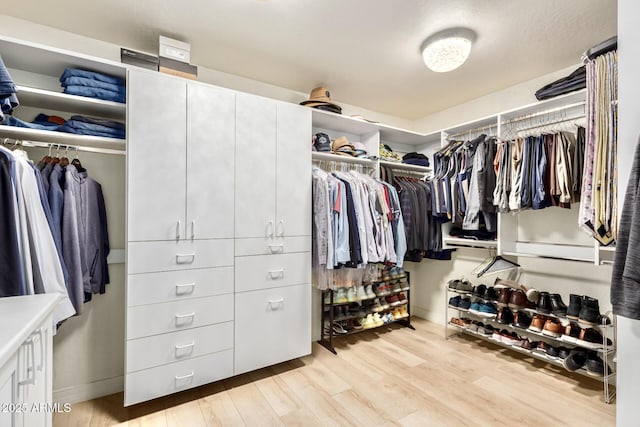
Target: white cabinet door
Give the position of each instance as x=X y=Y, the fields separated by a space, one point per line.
x=255 y=166
x=293 y=212
x=272 y=326
x=210 y=162
x=156 y=156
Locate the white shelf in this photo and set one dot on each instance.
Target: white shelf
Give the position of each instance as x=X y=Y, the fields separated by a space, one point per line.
x=461 y=242
x=328 y=157
x=405 y=166
x=339 y=123
x=558 y=103
x=66 y=139
x=607 y=248
x=551 y=250
x=48 y=100
x=52 y=61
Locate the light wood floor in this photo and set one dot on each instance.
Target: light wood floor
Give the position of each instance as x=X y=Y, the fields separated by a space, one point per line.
x=392 y=376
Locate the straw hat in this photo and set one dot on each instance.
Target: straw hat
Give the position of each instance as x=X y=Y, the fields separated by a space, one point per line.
x=319 y=97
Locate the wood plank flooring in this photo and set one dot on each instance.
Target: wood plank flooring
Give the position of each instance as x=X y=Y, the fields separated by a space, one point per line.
x=386 y=377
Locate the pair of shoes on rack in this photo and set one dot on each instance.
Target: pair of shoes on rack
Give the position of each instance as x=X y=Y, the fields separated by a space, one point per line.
x=371 y=321
x=579 y=357
x=586 y=311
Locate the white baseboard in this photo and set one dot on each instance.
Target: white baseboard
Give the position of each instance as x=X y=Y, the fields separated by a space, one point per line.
x=82 y=392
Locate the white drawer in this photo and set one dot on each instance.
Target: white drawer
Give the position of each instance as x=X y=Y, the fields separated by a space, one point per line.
x=167 y=379
x=143 y=353
x=150 y=288
x=152 y=319
x=270 y=271
x=272 y=326
x=147 y=257
x=279 y=245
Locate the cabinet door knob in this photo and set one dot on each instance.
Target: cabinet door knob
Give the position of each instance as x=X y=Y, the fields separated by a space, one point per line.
x=280 y=228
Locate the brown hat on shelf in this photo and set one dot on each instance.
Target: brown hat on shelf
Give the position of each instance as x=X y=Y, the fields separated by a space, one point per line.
x=342 y=146
x=320 y=98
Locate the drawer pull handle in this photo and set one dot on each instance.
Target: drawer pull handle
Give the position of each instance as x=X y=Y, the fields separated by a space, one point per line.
x=274 y=274
x=184 y=377
x=276 y=248
x=182 y=347
x=182 y=316
x=275 y=304
x=180 y=289
x=185 y=258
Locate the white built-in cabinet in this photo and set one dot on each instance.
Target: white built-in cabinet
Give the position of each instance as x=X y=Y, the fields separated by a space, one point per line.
x=218 y=234
x=273 y=232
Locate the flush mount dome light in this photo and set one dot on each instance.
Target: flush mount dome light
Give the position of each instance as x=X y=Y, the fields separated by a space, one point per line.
x=447 y=50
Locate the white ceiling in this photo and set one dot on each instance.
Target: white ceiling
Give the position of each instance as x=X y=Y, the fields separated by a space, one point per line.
x=366 y=52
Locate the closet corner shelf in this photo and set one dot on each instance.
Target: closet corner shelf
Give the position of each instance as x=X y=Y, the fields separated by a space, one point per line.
x=316 y=155
x=607 y=248
x=550 y=250
x=460 y=242
x=405 y=166
x=65 y=139
x=46 y=99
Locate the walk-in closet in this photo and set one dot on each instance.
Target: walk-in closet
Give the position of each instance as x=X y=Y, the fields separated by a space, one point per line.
x=319 y=213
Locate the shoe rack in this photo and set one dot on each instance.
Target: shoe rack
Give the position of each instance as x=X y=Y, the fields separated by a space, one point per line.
x=491 y=332
x=399 y=312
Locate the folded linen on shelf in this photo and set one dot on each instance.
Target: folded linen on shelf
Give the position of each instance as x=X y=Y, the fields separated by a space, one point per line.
x=93 y=85
x=90 y=126
x=40 y=125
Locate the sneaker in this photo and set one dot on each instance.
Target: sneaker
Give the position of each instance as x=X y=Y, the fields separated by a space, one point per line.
x=327 y=297
x=553 y=328
x=404 y=284
x=340 y=297
x=383 y=303
x=563 y=352
x=453 y=285
x=387 y=318
x=339 y=313
x=355 y=310
x=464 y=287
x=402 y=298
x=382 y=289
x=395 y=287
x=376 y=307
x=360 y=293
x=386 y=276
x=490 y=294
x=404 y=314
x=401 y=273
x=488 y=310
x=464 y=304
x=377 y=320
x=480 y=290
x=355 y=324
x=369 y=291
x=512 y=339
x=393 y=272
x=537 y=323
x=474 y=307
x=486 y=330
x=367 y=322
x=595 y=366
x=338 y=329
x=454 y=301
x=352 y=295
x=576 y=359
x=589 y=311
x=393 y=300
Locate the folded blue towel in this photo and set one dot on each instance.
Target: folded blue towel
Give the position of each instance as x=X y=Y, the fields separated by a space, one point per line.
x=83 y=81
x=74 y=72
x=94 y=92
x=69 y=129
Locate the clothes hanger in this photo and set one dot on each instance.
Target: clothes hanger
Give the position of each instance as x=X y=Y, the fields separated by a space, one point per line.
x=76 y=162
x=64 y=162
x=47 y=157
x=494 y=264
x=55 y=160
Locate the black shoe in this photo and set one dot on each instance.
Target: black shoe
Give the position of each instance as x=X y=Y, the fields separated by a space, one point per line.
x=557 y=306
x=595 y=366
x=553 y=351
x=521 y=320
x=590 y=338
x=590 y=311
x=575 y=360
x=571 y=333
x=544 y=303
x=454 y=301
x=505 y=316
x=480 y=290
x=490 y=294
x=563 y=352
x=575 y=304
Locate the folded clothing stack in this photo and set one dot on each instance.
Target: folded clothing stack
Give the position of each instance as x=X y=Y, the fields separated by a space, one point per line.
x=41 y=122
x=8 y=98
x=82 y=125
x=93 y=85
x=414 y=158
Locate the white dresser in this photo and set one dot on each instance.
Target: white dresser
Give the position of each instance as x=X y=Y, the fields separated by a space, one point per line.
x=26 y=361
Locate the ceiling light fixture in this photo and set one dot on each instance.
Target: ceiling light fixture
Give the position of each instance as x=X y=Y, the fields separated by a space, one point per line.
x=448 y=49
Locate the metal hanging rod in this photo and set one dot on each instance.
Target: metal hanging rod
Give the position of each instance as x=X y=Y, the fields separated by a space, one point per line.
x=67 y=147
x=546 y=112
x=539 y=125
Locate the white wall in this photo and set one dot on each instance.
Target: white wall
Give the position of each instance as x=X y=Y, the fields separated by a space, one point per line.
x=628 y=132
